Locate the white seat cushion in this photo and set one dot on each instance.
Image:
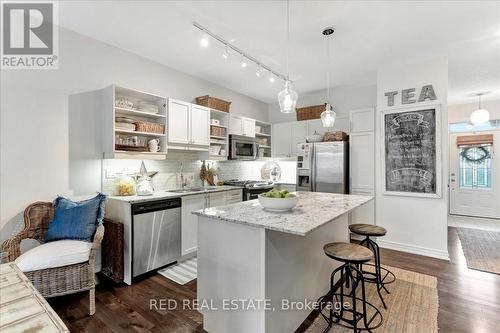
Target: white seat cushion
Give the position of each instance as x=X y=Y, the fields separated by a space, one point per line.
x=54 y=254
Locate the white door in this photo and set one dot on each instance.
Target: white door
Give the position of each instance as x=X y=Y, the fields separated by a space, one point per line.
x=248 y=127
x=475 y=186
x=236 y=125
x=299 y=134
x=189 y=222
x=281 y=139
x=217 y=199
x=178 y=121
x=200 y=125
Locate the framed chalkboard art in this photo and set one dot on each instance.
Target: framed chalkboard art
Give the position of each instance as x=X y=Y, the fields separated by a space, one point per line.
x=411 y=162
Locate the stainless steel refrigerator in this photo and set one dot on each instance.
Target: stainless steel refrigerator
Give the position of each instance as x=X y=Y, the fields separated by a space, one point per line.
x=323 y=167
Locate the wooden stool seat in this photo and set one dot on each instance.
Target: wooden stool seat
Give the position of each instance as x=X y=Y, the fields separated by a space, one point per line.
x=367 y=230
x=347 y=252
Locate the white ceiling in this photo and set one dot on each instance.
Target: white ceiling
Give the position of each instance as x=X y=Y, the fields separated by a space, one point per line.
x=368 y=34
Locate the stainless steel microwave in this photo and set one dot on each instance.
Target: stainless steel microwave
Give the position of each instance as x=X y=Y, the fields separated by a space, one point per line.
x=242 y=148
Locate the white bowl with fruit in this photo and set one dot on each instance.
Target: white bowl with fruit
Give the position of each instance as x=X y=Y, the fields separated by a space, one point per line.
x=278 y=201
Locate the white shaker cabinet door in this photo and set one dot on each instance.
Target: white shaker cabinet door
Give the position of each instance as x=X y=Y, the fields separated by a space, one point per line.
x=362 y=160
x=200 y=125
x=217 y=199
x=362 y=120
x=178 y=121
x=299 y=134
x=281 y=139
x=189 y=224
x=248 y=127
x=236 y=125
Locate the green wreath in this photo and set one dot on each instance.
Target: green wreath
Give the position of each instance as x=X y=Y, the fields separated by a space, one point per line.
x=483 y=154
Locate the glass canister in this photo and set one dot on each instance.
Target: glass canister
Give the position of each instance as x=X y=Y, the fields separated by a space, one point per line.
x=145 y=185
x=125 y=185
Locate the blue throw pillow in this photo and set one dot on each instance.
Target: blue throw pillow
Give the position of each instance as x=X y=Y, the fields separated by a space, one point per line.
x=76 y=220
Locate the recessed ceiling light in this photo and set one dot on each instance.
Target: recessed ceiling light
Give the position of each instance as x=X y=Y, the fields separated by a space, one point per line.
x=271 y=78
x=204 y=42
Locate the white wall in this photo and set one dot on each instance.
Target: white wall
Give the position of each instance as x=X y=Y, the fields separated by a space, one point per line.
x=344 y=99
x=34 y=114
x=417 y=225
x=459 y=113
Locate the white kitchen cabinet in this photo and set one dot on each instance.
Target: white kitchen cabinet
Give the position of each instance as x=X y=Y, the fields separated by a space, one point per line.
x=362 y=160
x=191 y=203
x=249 y=127
x=178 y=121
x=189 y=223
x=188 y=125
x=281 y=139
x=200 y=125
x=216 y=199
x=233 y=196
x=362 y=120
x=236 y=125
x=242 y=126
x=298 y=135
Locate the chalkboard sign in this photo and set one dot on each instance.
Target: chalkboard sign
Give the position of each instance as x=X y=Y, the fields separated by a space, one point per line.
x=412 y=152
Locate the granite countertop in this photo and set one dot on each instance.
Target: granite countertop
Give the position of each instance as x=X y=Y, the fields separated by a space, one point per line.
x=165 y=194
x=313 y=210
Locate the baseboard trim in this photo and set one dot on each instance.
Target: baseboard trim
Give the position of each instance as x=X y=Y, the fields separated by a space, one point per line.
x=423 y=251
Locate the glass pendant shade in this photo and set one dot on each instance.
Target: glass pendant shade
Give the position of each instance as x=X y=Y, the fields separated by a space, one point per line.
x=479 y=116
x=287 y=99
x=328 y=116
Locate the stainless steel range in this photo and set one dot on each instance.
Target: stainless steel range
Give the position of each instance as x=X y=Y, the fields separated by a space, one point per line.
x=251 y=188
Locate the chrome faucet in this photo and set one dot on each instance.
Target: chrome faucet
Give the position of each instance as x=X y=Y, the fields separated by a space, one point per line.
x=183 y=181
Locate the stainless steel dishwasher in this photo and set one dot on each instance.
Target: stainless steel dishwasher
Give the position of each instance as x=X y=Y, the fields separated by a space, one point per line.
x=156 y=233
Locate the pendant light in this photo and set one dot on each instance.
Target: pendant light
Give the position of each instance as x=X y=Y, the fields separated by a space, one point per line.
x=479 y=116
x=328 y=116
x=287 y=97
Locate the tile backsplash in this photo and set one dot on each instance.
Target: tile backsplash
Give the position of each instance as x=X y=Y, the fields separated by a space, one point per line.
x=168 y=176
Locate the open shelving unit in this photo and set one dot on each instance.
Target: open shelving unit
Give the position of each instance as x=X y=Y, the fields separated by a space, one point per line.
x=263 y=134
x=219 y=142
x=113 y=148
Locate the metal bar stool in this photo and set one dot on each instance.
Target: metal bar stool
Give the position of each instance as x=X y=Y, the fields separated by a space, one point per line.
x=381 y=276
x=356 y=315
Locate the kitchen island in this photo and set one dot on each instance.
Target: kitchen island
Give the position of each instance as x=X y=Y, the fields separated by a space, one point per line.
x=258 y=271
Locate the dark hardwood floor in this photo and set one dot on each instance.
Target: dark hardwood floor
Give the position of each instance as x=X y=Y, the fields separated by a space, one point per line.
x=469 y=300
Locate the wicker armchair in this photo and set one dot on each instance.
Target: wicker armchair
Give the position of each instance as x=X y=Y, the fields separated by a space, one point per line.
x=56 y=281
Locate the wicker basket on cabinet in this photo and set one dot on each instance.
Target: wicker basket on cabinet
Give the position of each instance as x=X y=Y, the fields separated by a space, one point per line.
x=335 y=136
x=213 y=103
x=310 y=112
x=148 y=127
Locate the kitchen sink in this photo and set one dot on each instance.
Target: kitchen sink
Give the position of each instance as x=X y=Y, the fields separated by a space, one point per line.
x=192 y=189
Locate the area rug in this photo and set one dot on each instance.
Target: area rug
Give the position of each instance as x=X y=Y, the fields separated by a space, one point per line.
x=481 y=249
x=412 y=305
x=182 y=272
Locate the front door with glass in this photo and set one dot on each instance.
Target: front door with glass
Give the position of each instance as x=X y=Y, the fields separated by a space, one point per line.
x=474 y=178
